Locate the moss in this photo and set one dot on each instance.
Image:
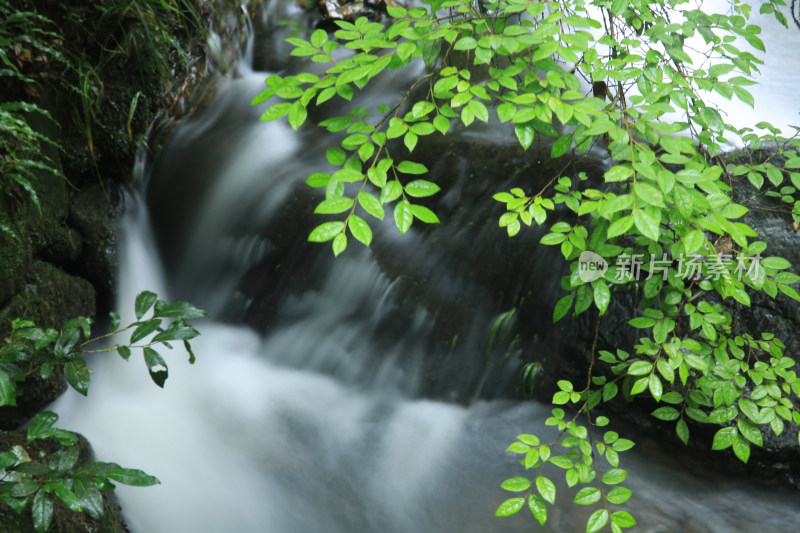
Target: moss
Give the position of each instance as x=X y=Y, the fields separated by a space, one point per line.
x=15 y=253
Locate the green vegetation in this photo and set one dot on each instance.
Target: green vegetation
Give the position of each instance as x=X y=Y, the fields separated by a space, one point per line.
x=31 y=350
x=80 y=56
x=18 y=141
x=629 y=77
x=80 y=82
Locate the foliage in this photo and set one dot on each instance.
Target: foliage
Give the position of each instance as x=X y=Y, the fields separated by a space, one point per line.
x=22 y=33
x=649 y=68
x=35 y=53
x=29 y=351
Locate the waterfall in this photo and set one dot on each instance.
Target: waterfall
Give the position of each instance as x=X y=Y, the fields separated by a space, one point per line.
x=317 y=423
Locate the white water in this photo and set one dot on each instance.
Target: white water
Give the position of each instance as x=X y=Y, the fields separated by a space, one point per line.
x=252 y=438
x=243 y=445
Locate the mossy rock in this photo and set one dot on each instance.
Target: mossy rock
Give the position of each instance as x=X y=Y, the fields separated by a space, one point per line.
x=15 y=253
x=49 y=296
x=93 y=214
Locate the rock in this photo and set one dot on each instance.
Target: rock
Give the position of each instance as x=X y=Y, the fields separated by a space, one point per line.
x=16 y=253
x=93 y=213
x=49 y=295
x=352 y=9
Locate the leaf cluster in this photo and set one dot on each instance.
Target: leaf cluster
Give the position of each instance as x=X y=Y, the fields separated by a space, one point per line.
x=36 y=481
x=666 y=196
x=579 y=462
x=32 y=351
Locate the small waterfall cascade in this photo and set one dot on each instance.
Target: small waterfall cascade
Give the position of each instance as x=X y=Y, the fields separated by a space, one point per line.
x=317 y=423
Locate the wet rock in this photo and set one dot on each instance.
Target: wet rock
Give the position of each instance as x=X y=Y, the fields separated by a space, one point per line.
x=93 y=214
x=49 y=295
x=352 y=9
x=15 y=252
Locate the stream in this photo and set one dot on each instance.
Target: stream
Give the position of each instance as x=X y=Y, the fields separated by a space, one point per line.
x=325 y=417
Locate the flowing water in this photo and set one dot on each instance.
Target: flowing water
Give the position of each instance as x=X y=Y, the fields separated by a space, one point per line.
x=317 y=421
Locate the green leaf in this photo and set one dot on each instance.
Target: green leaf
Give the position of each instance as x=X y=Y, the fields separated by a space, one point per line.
x=510 y=506
x=424 y=214
x=41 y=424
x=77 y=375
x=597 y=521
x=524 y=134
x=335 y=156
x=42 y=511
x=656 y=389
x=547 y=489
x=182 y=310
x=297 y=115
x=538 y=508
x=562 y=307
x=618 y=173
x=124 y=351
x=778 y=263
x=750 y=431
x=720 y=69
x=177 y=331
x=132 y=477
x=144 y=301
x=614 y=476
x=619 y=495
x=682 y=430
x=371 y=204
x=421 y=188
x=587 y=496
x=466 y=43
x=602 y=295
x=325 y=232
x=666 y=413
x=640 y=368
x=339 y=244
x=649 y=225
x=89 y=497
x=360 y=229
x=441 y=123
x=276 y=111
x=403 y=216
x=409 y=167
x=561 y=146
x=8 y=389
x=156 y=366
x=516 y=484
x=623 y=519
x=430 y=51
x=144 y=329
x=620 y=226
x=391 y=192
x=334 y=206
x=410 y=140
x=693 y=241
x=649 y=194
x=723 y=438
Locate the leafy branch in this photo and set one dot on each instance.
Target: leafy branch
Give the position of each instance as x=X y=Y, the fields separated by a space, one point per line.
x=664 y=213
x=30 y=350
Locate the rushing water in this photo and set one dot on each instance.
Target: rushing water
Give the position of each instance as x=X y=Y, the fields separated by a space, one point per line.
x=315 y=424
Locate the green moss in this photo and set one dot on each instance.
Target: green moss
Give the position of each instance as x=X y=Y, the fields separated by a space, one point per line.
x=15 y=253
